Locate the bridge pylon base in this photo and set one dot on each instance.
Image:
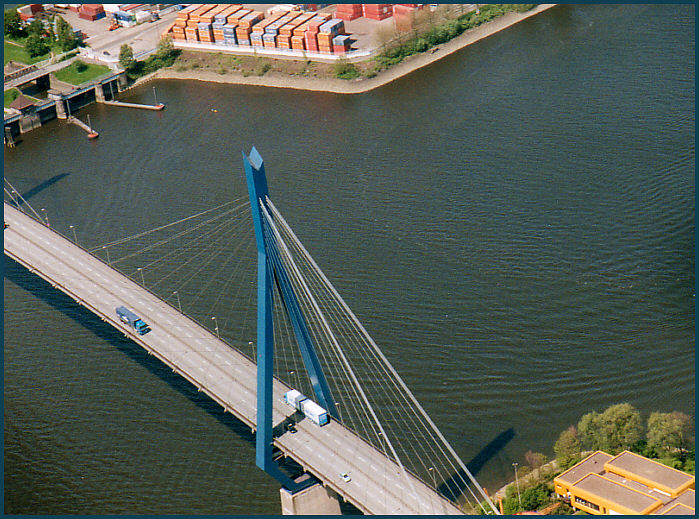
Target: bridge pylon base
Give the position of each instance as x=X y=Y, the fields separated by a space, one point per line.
x=313 y=500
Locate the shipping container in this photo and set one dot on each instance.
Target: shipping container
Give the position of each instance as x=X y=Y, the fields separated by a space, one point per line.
x=298 y=42
x=288 y=29
x=251 y=19
x=203 y=9
x=262 y=25
x=228 y=11
x=240 y=13
x=314 y=412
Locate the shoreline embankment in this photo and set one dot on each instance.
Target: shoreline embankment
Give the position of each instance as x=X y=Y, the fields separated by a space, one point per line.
x=356 y=86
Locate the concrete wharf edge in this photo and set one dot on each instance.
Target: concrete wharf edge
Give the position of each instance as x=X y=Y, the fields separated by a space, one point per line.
x=378 y=486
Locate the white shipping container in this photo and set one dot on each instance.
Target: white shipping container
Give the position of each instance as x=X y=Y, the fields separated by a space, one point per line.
x=144 y=16
x=314 y=412
x=294 y=398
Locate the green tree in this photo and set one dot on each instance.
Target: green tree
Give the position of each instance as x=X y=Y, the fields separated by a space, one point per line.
x=669 y=432
x=13 y=24
x=567 y=448
x=166 y=48
x=589 y=431
x=126 y=59
x=621 y=427
x=36 y=28
x=65 y=35
x=36 y=46
x=535 y=497
x=535 y=459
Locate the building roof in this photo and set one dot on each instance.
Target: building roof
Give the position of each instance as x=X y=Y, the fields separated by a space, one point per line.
x=649 y=472
x=676 y=506
x=623 y=498
x=21 y=103
x=594 y=463
x=678 y=509
x=628 y=484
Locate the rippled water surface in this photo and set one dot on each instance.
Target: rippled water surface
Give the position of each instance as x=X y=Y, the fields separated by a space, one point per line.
x=514 y=225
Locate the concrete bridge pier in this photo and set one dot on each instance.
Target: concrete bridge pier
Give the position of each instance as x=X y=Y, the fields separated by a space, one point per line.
x=60 y=104
x=99 y=94
x=313 y=500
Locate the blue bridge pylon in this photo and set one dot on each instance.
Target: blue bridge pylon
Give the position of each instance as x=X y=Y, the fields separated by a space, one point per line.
x=270 y=270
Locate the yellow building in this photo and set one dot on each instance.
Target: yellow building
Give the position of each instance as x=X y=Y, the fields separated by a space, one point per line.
x=626 y=484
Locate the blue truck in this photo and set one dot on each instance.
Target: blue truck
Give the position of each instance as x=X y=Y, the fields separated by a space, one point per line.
x=128 y=317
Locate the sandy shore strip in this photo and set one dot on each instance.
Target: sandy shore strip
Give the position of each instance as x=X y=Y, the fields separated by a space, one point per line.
x=356 y=86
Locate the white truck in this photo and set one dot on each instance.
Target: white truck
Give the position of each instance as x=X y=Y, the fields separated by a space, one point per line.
x=308 y=407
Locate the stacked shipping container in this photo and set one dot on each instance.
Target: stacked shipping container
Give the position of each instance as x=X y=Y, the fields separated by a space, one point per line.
x=91 y=12
x=231 y=24
x=348 y=12
x=377 y=11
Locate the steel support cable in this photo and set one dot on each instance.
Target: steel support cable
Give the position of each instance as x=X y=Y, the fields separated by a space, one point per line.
x=368 y=361
x=299 y=293
x=185 y=250
x=395 y=399
x=177 y=251
x=388 y=364
x=356 y=382
x=155 y=229
x=342 y=377
x=294 y=275
x=328 y=311
x=413 y=416
x=378 y=442
x=233 y=255
x=432 y=443
x=300 y=296
x=166 y=240
x=228 y=285
x=347 y=334
x=213 y=254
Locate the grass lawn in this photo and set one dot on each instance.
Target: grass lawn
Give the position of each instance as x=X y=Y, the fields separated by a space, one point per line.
x=71 y=75
x=15 y=53
x=13 y=94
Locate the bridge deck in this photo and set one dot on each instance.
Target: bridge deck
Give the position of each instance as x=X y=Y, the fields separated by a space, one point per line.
x=378 y=486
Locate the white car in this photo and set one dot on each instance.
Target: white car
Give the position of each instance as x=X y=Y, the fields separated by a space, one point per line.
x=345 y=477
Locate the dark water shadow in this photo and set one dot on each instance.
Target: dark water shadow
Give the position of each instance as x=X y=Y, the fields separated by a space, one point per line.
x=39 y=288
x=454 y=487
x=39 y=188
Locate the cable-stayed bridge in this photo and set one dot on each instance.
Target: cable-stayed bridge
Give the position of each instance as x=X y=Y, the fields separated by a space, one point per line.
x=380 y=450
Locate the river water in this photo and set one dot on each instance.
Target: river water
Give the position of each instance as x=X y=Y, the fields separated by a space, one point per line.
x=514 y=226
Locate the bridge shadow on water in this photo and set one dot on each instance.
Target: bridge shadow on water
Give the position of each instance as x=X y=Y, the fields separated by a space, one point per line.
x=39 y=288
x=40 y=187
x=43 y=290
x=454 y=487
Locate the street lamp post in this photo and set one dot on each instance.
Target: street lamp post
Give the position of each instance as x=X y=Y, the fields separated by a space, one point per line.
x=143 y=281
x=434 y=481
x=107 y=251
x=178 y=300
x=75 y=238
x=216 y=326
x=519 y=497
x=46 y=216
